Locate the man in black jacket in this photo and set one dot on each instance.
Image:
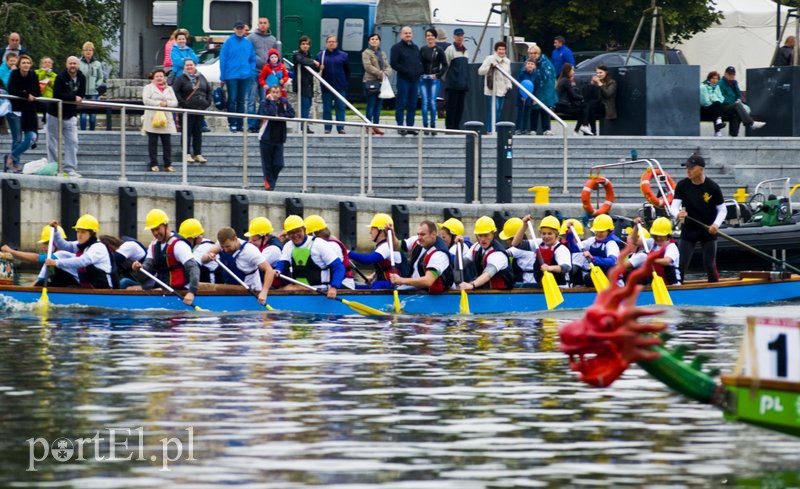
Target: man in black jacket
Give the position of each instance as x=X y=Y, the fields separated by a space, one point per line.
x=272 y=135
x=406 y=60
x=302 y=57
x=456 y=81
x=785 y=55
x=70 y=86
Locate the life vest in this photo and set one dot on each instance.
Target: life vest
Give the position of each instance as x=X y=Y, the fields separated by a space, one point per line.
x=206 y=274
x=549 y=258
x=302 y=267
x=91 y=277
x=277 y=283
x=383 y=269
x=598 y=249
x=348 y=268
x=229 y=260
x=670 y=273
x=504 y=279
x=168 y=268
x=445 y=280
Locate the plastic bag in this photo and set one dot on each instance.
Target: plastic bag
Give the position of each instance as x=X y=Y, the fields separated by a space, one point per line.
x=386 y=89
x=34 y=166
x=159 y=119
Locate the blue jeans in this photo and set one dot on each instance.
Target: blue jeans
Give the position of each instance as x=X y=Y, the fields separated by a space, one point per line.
x=406 y=101
x=20 y=141
x=237 y=92
x=374 y=105
x=524 y=116
x=92 y=117
x=498 y=109
x=305 y=107
x=329 y=101
x=428 y=91
x=255 y=95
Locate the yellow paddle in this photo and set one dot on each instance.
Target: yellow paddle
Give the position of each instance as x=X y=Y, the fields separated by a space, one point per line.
x=552 y=294
x=463 y=304
x=44 y=300
x=660 y=291
x=356 y=306
x=169 y=289
x=599 y=278
x=241 y=282
x=389 y=238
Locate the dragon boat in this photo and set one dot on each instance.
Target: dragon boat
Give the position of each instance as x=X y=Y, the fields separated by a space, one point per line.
x=749 y=289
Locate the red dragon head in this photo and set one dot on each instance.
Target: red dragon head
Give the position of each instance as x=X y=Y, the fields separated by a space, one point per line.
x=609 y=337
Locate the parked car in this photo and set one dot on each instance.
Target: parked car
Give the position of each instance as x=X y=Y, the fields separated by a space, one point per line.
x=586 y=68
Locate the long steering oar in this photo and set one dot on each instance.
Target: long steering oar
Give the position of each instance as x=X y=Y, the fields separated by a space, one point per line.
x=552 y=294
x=748 y=247
x=44 y=299
x=660 y=291
x=390 y=240
x=463 y=304
x=599 y=278
x=241 y=282
x=169 y=289
x=356 y=306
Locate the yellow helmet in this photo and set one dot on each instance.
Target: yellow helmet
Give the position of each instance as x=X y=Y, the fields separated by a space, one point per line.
x=88 y=222
x=259 y=226
x=603 y=222
x=661 y=227
x=293 y=222
x=485 y=225
x=155 y=218
x=550 y=222
x=453 y=225
x=574 y=223
x=45 y=236
x=380 y=220
x=315 y=223
x=510 y=228
x=191 y=228
x=642 y=232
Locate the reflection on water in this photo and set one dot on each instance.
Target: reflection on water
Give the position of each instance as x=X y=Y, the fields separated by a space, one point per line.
x=289 y=401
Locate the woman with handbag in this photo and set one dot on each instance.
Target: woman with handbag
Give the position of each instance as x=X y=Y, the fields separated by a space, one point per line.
x=376 y=69
x=23 y=120
x=157 y=123
x=193 y=92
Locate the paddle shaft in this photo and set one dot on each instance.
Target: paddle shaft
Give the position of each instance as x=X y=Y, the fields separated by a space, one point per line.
x=164 y=286
x=49 y=255
x=359 y=272
x=309 y=287
x=747 y=246
x=460 y=251
x=535 y=244
x=235 y=277
x=390 y=240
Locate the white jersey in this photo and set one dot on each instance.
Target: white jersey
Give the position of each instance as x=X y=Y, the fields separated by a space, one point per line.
x=132 y=250
x=248 y=259
x=199 y=252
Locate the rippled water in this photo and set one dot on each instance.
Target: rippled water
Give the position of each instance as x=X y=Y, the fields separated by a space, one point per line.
x=288 y=401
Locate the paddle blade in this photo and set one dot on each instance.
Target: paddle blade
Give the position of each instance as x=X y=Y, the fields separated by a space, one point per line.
x=363 y=308
x=463 y=304
x=269 y=308
x=44 y=299
x=660 y=291
x=397 y=308
x=599 y=279
x=552 y=294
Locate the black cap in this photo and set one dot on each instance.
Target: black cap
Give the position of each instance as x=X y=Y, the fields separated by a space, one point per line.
x=694 y=160
x=730 y=69
x=458 y=32
x=239 y=24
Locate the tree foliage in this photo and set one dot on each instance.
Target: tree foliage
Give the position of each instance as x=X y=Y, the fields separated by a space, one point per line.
x=58 y=28
x=593 y=24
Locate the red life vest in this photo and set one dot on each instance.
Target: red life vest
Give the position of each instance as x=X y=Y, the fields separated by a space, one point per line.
x=348 y=269
x=549 y=258
x=670 y=273
x=168 y=268
x=503 y=279
x=445 y=280
x=91 y=277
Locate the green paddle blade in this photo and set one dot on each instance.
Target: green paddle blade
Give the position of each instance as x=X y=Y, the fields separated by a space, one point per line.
x=363 y=308
x=397 y=308
x=660 y=291
x=599 y=279
x=463 y=304
x=552 y=294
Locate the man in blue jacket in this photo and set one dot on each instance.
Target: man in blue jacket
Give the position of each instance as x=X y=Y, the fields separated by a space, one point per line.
x=561 y=54
x=406 y=60
x=237 y=64
x=336 y=71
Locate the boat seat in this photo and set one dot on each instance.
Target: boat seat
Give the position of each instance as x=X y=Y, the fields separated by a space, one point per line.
x=738 y=213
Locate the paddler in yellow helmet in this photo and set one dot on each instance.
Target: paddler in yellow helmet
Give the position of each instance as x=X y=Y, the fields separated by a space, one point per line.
x=555 y=257
x=492 y=262
x=92 y=260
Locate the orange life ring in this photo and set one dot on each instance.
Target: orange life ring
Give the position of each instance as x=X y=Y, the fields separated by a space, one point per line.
x=586 y=195
x=648 y=193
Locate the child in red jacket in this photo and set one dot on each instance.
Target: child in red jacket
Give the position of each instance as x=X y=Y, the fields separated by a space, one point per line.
x=274 y=67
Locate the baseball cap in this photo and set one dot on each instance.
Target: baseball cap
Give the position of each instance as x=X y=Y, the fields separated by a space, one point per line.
x=239 y=24
x=694 y=160
x=458 y=32
x=730 y=69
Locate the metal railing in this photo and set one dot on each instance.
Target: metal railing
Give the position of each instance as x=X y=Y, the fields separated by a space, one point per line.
x=546 y=109
x=364 y=127
x=662 y=182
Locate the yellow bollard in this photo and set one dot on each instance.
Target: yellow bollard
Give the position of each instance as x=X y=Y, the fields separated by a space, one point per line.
x=741 y=195
x=541 y=194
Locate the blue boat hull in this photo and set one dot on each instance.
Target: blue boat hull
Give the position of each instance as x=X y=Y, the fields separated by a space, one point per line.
x=732 y=292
